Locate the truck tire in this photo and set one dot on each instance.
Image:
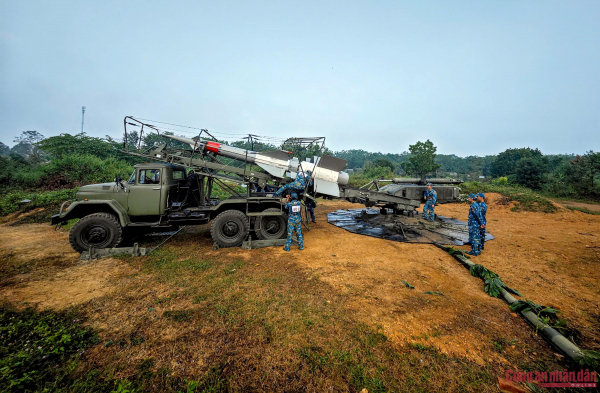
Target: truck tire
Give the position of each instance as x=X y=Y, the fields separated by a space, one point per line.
x=98 y=230
x=271 y=227
x=230 y=228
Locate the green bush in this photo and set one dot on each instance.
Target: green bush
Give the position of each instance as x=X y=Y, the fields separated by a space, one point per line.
x=525 y=198
x=359 y=179
x=220 y=192
x=532 y=203
x=378 y=172
x=472 y=187
x=15 y=170
x=27 y=178
x=66 y=171
x=501 y=181
x=79 y=169
x=9 y=203
x=558 y=187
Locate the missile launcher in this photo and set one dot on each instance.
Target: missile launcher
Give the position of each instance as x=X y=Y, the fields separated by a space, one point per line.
x=401 y=195
x=326 y=171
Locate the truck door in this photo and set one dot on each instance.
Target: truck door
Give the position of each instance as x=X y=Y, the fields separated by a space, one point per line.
x=144 y=196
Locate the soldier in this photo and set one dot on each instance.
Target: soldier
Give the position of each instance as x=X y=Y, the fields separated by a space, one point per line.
x=475 y=225
x=483 y=206
x=311 y=209
x=299 y=184
x=294 y=221
x=430 y=199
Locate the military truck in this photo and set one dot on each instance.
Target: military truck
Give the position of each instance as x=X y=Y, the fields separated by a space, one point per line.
x=160 y=197
x=176 y=189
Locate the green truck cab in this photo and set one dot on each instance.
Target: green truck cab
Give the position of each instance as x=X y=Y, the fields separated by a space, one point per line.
x=161 y=196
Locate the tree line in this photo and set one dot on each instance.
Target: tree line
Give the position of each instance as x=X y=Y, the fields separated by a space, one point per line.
x=66 y=161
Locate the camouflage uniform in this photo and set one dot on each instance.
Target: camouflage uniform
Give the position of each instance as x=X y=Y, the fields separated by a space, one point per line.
x=428 y=209
x=298 y=185
x=483 y=207
x=475 y=222
x=311 y=209
x=294 y=224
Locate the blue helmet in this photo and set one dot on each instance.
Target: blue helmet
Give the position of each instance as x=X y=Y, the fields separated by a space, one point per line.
x=481 y=195
x=472 y=196
x=294 y=196
x=429 y=184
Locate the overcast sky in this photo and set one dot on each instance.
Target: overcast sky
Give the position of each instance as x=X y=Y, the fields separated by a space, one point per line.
x=475 y=77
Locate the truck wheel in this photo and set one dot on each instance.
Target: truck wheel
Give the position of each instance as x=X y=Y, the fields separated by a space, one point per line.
x=230 y=228
x=98 y=230
x=271 y=227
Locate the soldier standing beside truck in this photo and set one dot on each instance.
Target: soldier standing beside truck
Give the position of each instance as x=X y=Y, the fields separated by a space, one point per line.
x=430 y=199
x=294 y=221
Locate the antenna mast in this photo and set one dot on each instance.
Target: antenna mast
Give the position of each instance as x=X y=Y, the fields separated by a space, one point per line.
x=82 y=116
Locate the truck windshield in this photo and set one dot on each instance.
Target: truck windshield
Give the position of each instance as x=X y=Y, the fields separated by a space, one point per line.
x=132 y=178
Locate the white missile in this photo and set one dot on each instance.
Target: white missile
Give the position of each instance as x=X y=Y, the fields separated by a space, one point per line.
x=326 y=171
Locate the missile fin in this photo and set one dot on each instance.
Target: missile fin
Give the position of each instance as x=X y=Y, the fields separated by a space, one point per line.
x=273 y=170
x=326 y=187
x=332 y=163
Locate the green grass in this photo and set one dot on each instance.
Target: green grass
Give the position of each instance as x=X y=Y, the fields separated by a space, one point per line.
x=533 y=203
x=9 y=203
x=524 y=198
x=37 y=348
x=42 y=352
x=179 y=315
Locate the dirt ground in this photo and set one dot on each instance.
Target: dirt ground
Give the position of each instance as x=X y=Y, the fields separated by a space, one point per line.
x=552 y=259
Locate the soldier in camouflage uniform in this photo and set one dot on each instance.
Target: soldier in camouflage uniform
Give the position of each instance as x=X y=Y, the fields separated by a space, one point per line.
x=430 y=199
x=294 y=221
x=298 y=185
x=311 y=204
x=475 y=224
x=483 y=206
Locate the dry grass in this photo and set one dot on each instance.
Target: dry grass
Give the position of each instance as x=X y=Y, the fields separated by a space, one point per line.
x=13 y=266
x=231 y=325
x=334 y=317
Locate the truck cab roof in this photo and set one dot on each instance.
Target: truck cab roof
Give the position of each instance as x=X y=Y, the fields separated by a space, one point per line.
x=153 y=165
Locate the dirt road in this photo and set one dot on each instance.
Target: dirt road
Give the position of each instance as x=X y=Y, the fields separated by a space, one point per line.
x=580 y=205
